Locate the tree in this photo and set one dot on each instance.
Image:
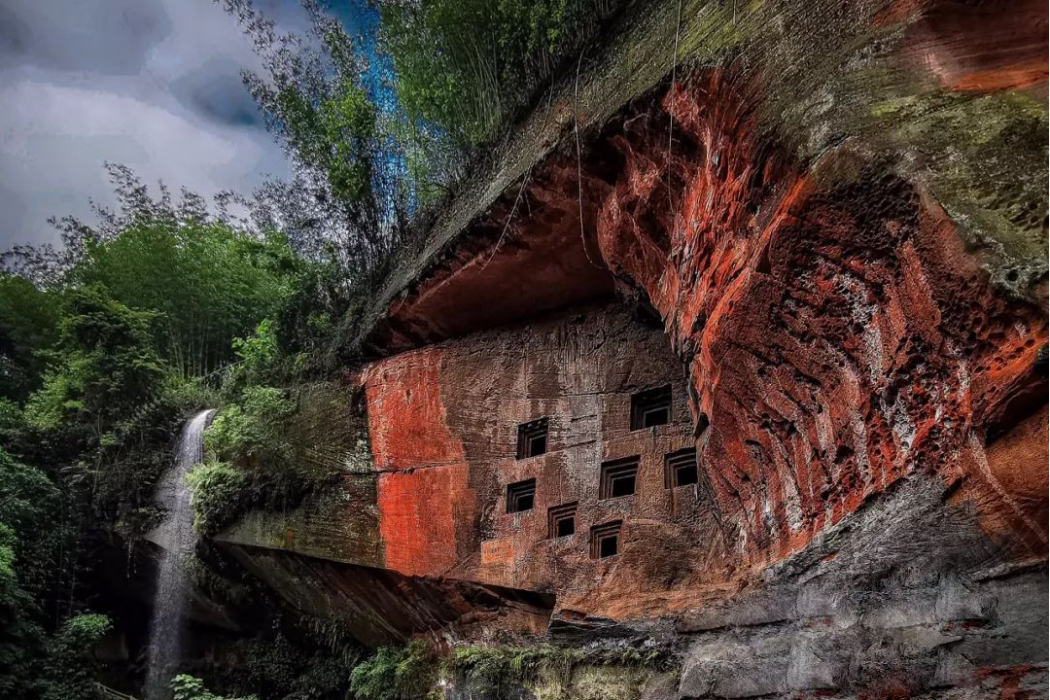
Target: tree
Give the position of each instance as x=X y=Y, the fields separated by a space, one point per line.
x=205 y=282
x=32 y=663
x=21 y=638
x=316 y=103
x=28 y=504
x=28 y=326
x=70 y=668
x=467 y=65
x=104 y=367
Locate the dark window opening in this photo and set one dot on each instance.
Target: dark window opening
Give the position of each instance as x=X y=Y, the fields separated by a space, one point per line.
x=680 y=468
x=618 y=478
x=532 y=438
x=651 y=408
x=605 y=540
x=521 y=496
x=566 y=527
x=622 y=486
x=561 y=520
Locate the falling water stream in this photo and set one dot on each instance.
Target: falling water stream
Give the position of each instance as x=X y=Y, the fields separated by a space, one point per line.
x=177 y=539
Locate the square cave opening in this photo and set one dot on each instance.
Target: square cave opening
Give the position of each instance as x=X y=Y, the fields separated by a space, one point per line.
x=651 y=408
x=561 y=521
x=618 y=478
x=605 y=540
x=532 y=438
x=521 y=496
x=680 y=468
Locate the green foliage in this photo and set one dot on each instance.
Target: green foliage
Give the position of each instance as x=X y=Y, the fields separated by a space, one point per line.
x=189 y=688
x=204 y=282
x=309 y=319
x=33 y=665
x=70 y=667
x=250 y=433
x=332 y=130
x=262 y=446
x=348 y=123
x=102 y=421
x=21 y=638
x=12 y=422
x=312 y=92
x=258 y=359
x=287 y=668
x=105 y=364
x=495 y=665
x=221 y=493
x=145 y=306
x=28 y=326
x=250 y=459
x=395 y=673
x=466 y=65
x=28 y=501
x=80 y=633
x=27 y=564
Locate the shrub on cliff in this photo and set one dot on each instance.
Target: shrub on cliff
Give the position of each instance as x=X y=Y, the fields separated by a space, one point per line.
x=496 y=667
x=278 y=436
x=188 y=687
x=250 y=460
x=221 y=493
x=250 y=433
x=396 y=673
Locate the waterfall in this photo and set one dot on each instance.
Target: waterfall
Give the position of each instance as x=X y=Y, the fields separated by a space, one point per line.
x=177 y=539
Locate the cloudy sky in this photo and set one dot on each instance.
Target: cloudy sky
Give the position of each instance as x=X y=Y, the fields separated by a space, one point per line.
x=152 y=84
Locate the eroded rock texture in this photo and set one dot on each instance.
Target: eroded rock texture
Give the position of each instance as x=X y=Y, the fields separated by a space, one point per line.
x=839 y=334
x=444 y=425
x=827 y=234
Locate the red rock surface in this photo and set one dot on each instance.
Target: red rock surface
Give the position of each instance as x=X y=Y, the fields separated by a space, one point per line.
x=836 y=332
x=977 y=46
x=840 y=333
x=444 y=423
x=838 y=336
x=421 y=464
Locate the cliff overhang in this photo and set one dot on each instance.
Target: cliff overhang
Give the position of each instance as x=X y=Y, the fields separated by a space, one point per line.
x=836 y=214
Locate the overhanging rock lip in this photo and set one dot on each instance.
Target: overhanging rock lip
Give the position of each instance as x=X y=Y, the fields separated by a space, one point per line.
x=395 y=606
x=591 y=95
x=541 y=599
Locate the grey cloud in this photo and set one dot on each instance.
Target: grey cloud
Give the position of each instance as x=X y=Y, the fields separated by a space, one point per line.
x=111 y=37
x=215 y=91
x=152 y=84
x=12 y=209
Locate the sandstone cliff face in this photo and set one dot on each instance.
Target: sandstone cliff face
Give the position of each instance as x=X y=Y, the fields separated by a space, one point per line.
x=444 y=424
x=839 y=334
x=849 y=262
x=833 y=219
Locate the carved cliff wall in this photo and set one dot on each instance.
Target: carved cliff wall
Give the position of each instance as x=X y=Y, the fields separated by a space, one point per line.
x=833 y=218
